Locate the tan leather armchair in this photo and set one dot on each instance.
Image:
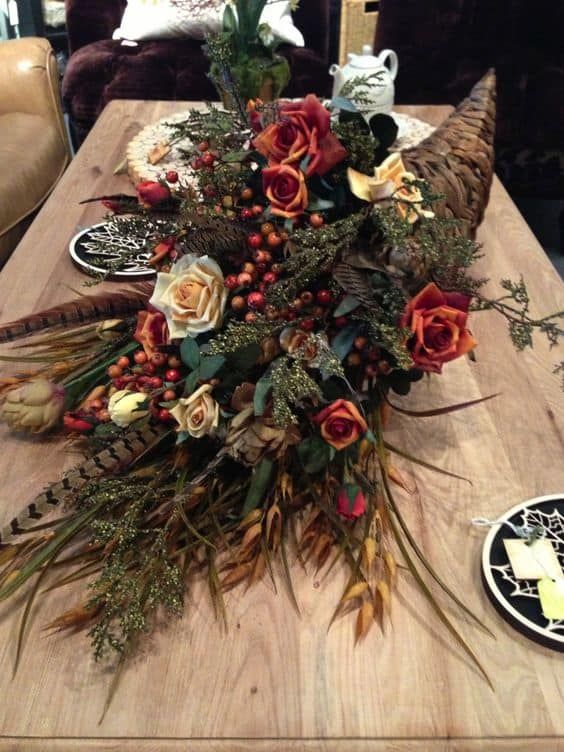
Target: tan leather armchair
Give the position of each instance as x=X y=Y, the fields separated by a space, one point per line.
x=34 y=150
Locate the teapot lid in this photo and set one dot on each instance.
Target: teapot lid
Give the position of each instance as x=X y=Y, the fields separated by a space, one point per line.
x=366 y=60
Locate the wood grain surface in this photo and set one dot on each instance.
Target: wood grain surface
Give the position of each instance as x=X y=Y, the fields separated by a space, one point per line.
x=277 y=682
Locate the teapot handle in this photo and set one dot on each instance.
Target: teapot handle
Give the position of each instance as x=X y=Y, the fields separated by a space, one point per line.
x=384 y=55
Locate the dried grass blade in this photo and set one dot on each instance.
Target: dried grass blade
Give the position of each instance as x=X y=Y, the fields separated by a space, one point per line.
x=364 y=620
x=423 y=560
x=27 y=610
x=435 y=605
x=424 y=464
x=439 y=410
x=288 y=576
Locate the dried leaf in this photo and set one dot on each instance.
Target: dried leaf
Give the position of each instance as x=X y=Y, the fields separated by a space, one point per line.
x=274 y=527
x=391 y=566
x=236 y=576
x=396 y=477
x=76 y=617
x=287 y=486
x=259 y=568
x=250 y=519
x=158 y=152
x=364 y=620
x=355 y=591
x=321 y=549
x=251 y=537
x=369 y=550
x=384 y=592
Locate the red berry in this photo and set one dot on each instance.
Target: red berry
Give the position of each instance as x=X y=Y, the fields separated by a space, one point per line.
x=257 y=209
x=197 y=163
x=244 y=279
x=149 y=369
x=324 y=297
x=269 y=278
x=171 y=176
x=254 y=240
x=256 y=301
x=260 y=256
x=169 y=395
x=209 y=191
x=156 y=382
x=247 y=194
x=306 y=297
x=371 y=370
x=231 y=281
x=307 y=325
x=173 y=374
x=158 y=359
x=267 y=228
x=238 y=303
x=174 y=361
x=203 y=146
x=164 y=415
x=360 y=343
x=316 y=220
x=273 y=239
x=140 y=357
x=208 y=159
x=250 y=317
x=340 y=321
x=261 y=269
x=246 y=214
x=114 y=371
x=123 y=361
x=249 y=268
x=118 y=383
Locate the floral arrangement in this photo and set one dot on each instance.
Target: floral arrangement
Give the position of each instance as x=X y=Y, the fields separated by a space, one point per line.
x=234 y=412
x=244 y=63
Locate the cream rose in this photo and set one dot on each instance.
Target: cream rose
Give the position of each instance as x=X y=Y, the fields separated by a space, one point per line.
x=127 y=407
x=192 y=296
x=197 y=414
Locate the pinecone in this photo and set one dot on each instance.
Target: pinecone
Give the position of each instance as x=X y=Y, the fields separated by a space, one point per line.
x=405 y=261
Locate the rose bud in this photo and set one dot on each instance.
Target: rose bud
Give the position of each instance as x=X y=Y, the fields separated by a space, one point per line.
x=350 y=501
x=126 y=407
x=75 y=424
x=150 y=193
x=34 y=406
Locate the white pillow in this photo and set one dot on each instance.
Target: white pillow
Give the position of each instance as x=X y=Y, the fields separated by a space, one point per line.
x=173 y=19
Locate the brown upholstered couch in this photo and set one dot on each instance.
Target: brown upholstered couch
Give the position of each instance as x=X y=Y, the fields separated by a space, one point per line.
x=101 y=69
x=445 y=46
x=33 y=141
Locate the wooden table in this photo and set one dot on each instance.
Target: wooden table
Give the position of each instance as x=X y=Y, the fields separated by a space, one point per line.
x=276 y=682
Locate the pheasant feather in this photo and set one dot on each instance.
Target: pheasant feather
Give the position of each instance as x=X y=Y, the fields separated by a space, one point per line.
x=79 y=311
x=116 y=457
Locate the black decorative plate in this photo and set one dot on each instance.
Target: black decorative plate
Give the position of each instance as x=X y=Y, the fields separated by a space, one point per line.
x=518 y=600
x=98 y=251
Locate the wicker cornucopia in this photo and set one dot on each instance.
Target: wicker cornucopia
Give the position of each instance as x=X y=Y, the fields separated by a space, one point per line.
x=458 y=158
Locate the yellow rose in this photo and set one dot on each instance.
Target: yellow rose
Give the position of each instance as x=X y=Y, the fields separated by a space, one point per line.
x=125 y=407
x=197 y=414
x=192 y=296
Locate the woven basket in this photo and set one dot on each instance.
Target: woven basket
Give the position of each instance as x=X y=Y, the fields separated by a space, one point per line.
x=458 y=158
x=358 y=26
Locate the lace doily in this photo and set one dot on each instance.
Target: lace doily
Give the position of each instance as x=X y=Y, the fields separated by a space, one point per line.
x=411 y=131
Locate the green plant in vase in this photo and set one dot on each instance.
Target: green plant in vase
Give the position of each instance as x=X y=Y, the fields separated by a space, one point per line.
x=244 y=63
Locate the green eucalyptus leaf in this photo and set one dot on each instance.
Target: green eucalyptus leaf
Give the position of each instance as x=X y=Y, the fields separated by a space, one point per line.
x=315 y=454
x=210 y=365
x=343 y=342
x=347 y=304
x=260 y=482
x=190 y=353
x=191 y=381
x=263 y=387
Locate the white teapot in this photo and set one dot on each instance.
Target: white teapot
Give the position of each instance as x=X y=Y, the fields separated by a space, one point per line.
x=379 y=92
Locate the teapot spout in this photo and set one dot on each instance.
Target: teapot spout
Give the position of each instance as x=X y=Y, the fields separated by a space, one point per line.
x=339 y=79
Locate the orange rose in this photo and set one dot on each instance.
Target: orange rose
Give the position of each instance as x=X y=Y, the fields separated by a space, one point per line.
x=285 y=188
x=151 y=331
x=341 y=424
x=303 y=129
x=437 y=321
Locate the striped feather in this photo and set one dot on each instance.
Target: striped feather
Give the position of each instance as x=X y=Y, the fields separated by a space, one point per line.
x=116 y=457
x=79 y=311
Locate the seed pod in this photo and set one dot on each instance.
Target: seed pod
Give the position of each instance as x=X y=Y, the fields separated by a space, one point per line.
x=354 y=591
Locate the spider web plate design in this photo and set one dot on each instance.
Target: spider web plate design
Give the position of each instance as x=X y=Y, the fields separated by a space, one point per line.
x=518 y=600
x=96 y=250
